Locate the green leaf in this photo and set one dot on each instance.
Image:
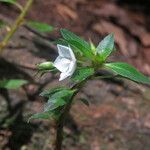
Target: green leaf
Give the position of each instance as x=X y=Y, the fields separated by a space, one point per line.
x=127 y=71
x=42 y=115
x=82 y=74
x=9 y=1
x=58 y=97
x=105 y=47
x=12 y=84
x=55 y=114
x=61 y=42
x=80 y=48
x=63 y=93
x=67 y=35
x=41 y=27
x=54 y=103
x=77 y=42
x=48 y=93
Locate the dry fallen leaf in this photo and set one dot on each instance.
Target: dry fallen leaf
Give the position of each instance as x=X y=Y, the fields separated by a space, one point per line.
x=66 y=12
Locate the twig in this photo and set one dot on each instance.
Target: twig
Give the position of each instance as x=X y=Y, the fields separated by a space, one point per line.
x=17 y=23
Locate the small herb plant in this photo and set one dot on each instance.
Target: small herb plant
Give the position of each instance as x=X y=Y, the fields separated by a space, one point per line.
x=79 y=61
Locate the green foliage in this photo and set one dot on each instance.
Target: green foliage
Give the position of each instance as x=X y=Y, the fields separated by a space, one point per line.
x=48 y=114
x=57 y=99
x=67 y=35
x=60 y=92
x=77 y=42
x=82 y=74
x=127 y=71
x=48 y=93
x=41 y=27
x=54 y=103
x=12 y=84
x=105 y=47
x=9 y=1
x=42 y=115
x=61 y=41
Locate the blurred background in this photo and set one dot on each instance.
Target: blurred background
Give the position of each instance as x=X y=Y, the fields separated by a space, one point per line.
x=118 y=117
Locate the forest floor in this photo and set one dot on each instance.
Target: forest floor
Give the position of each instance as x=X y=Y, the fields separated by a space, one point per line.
x=118 y=117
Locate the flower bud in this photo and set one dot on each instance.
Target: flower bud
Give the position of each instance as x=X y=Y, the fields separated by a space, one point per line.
x=45 y=66
x=93 y=48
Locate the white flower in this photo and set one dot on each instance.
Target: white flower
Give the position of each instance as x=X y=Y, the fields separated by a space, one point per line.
x=65 y=62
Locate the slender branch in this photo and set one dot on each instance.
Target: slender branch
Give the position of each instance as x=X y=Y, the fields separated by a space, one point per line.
x=18 y=6
x=61 y=121
x=17 y=23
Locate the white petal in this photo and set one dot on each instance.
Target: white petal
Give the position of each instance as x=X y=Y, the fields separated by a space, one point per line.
x=64 y=51
x=63 y=76
x=62 y=64
x=72 y=54
x=72 y=68
x=69 y=72
x=65 y=62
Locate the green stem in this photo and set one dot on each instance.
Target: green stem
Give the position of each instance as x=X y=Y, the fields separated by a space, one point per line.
x=61 y=121
x=59 y=127
x=17 y=23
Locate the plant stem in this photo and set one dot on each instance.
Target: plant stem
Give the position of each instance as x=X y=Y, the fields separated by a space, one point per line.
x=17 y=23
x=61 y=121
x=59 y=127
